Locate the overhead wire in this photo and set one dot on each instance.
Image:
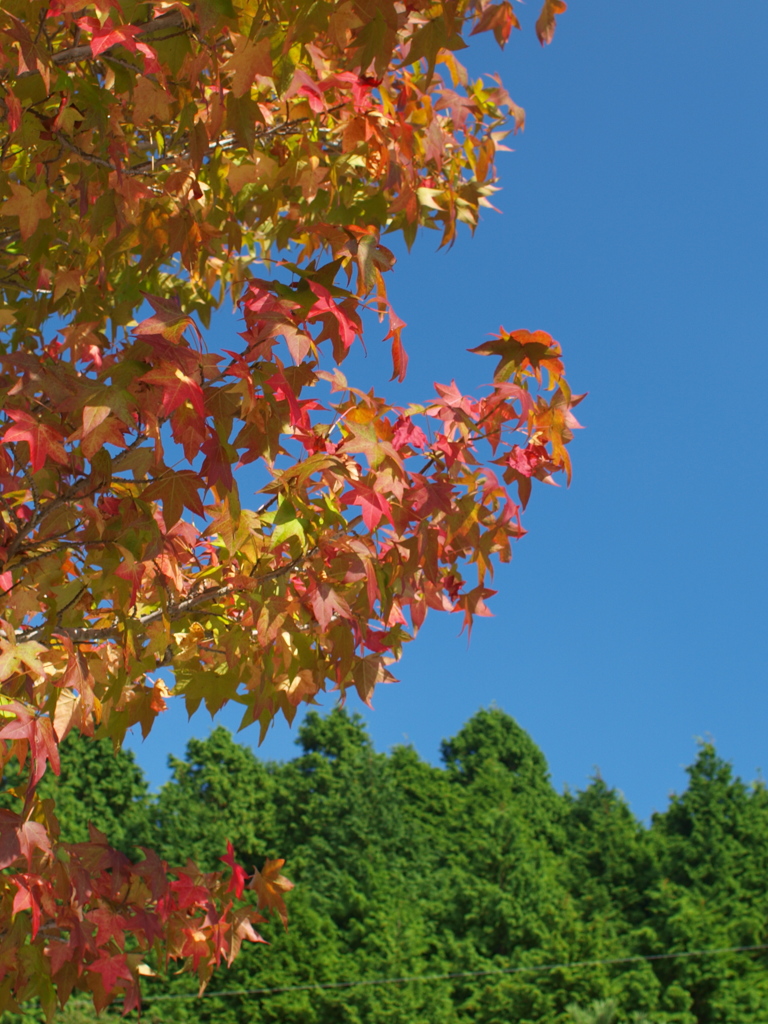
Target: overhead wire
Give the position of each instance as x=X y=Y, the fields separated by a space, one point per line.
x=445 y=976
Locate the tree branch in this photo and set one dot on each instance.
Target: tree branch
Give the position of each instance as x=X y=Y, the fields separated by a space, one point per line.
x=172 y=19
x=73 y=494
x=98 y=634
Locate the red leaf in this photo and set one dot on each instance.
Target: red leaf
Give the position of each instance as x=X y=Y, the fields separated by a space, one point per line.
x=372 y=504
x=133 y=573
x=13 y=106
x=408 y=433
x=37 y=730
x=44 y=442
x=525 y=460
x=108 y=36
x=19 y=838
x=155 y=871
x=217 y=466
x=239 y=874
x=177 y=387
x=112 y=969
x=338 y=325
x=283 y=391
x=499 y=17
x=26 y=899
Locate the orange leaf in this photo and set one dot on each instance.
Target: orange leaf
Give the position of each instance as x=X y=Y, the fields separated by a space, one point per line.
x=29 y=207
x=269 y=885
x=247 y=62
x=545 y=26
x=500 y=18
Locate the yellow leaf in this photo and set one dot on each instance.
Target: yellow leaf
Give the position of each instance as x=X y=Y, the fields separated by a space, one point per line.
x=249 y=61
x=150 y=101
x=67 y=281
x=29 y=207
x=263 y=169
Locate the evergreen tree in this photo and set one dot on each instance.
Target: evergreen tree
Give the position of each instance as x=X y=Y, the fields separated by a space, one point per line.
x=220 y=792
x=469 y=882
x=711 y=847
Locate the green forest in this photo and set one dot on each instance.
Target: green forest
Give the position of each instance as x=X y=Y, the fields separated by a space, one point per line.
x=471 y=892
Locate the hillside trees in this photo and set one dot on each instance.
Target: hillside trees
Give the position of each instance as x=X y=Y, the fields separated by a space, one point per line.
x=191 y=154
x=712 y=854
x=450 y=878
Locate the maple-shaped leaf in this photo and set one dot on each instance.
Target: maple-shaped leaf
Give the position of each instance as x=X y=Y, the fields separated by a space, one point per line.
x=20 y=838
x=100 y=427
x=500 y=18
x=105 y=36
x=26 y=898
x=44 y=441
x=408 y=433
x=112 y=969
x=177 y=387
x=326 y=604
x=546 y=23
x=13 y=656
x=243 y=929
x=168 y=321
x=37 y=731
x=176 y=490
x=526 y=460
x=341 y=324
x=110 y=925
x=270 y=886
x=520 y=348
x=132 y=572
x=249 y=60
x=372 y=257
x=369 y=672
x=29 y=207
x=373 y=505
x=217 y=465
x=368 y=434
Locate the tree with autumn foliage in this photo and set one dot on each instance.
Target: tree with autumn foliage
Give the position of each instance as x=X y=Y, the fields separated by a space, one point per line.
x=188 y=155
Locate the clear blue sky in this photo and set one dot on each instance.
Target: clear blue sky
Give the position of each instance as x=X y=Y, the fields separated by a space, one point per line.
x=633 y=617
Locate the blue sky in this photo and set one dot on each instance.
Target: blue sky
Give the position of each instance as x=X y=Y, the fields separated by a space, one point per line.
x=632 y=619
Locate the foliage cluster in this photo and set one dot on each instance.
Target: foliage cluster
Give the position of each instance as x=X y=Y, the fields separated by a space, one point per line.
x=405 y=870
x=192 y=153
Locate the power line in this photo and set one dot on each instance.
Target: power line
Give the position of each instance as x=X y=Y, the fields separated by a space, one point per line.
x=354 y=983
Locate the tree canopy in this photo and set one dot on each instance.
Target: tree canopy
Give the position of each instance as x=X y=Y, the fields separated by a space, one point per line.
x=423 y=894
x=191 y=154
